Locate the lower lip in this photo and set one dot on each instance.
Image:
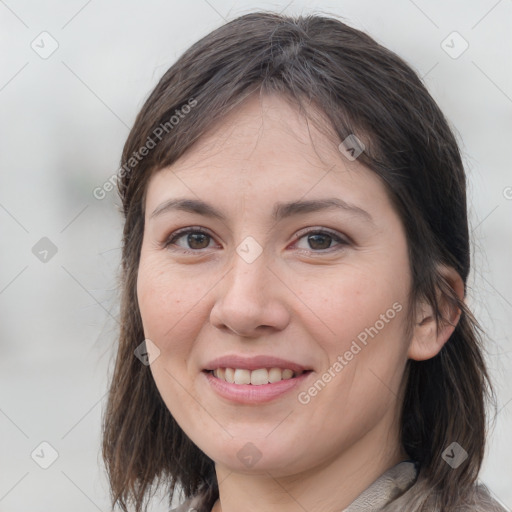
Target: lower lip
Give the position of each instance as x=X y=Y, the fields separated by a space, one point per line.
x=250 y=394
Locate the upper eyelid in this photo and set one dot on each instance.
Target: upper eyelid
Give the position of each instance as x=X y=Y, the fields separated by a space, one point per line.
x=322 y=230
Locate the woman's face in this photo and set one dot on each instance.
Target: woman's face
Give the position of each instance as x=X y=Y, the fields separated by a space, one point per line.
x=293 y=259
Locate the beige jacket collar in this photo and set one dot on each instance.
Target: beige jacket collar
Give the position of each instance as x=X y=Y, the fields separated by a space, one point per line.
x=389 y=486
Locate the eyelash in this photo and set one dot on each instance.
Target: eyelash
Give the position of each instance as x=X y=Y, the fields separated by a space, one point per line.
x=185 y=231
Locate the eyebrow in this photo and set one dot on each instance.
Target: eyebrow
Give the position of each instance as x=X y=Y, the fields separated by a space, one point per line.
x=280 y=211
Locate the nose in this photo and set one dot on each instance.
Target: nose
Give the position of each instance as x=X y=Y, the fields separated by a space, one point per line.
x=251 y=300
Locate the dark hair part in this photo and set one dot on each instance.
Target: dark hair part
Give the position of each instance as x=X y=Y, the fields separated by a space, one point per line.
x=361 y=88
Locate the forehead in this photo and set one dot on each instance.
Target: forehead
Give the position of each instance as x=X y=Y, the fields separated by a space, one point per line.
x=263 y=126
x=265 y=147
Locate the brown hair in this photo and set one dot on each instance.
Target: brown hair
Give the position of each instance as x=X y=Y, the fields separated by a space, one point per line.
x=361 y=88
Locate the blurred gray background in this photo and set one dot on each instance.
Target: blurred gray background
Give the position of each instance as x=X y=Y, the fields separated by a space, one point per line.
x=73 y=75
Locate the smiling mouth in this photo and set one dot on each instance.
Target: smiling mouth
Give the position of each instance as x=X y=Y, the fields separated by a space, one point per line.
x=256 y=377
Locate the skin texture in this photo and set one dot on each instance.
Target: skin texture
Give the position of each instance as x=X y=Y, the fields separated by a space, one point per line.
x=299 y=300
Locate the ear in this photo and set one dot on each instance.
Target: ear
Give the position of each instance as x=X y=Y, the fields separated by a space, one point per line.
x=428 y=337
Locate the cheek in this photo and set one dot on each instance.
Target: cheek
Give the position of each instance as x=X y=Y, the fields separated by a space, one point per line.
x=169 y=305
x=355 y=300
x=170 y=311
x=365 y=312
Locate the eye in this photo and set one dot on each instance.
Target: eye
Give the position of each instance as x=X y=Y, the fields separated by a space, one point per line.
x=320 y=240
x=195 y=238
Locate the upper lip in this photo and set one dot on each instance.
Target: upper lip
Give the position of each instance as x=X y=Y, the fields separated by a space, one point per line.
x=253 y=363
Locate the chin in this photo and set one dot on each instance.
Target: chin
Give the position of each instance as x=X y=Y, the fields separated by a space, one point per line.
x=258 y=456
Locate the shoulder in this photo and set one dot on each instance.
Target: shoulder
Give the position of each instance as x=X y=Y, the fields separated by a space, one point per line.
x=420 y=497
x=194 y=504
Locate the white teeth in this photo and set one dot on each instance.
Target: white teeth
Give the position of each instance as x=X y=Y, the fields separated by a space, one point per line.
x=275 y=375
x=287 y=374
x=229 y=375
x=242 y=376
x=254 y=377
x=259 y=377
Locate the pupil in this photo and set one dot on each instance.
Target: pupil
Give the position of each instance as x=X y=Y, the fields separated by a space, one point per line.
x=194 y=238
x=315 y=238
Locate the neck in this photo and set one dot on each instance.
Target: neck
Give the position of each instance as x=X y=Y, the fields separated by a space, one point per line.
x=330 y=487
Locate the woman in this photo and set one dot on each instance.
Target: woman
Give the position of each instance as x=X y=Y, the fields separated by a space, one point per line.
x=295 y=258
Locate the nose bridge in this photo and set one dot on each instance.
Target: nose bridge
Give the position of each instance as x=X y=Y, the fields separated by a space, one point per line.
x=248 y=276
x=249 y=298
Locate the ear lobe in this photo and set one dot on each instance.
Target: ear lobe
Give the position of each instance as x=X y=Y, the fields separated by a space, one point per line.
x=428 y=336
